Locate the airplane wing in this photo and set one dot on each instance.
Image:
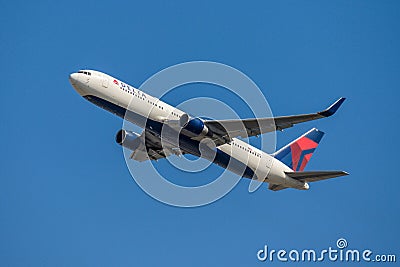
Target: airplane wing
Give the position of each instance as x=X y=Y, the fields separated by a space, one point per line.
x=149 y=147
x=228 y=129
x=314 y=176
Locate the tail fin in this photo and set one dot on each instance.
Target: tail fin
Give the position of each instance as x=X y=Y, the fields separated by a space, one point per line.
x=297 y=154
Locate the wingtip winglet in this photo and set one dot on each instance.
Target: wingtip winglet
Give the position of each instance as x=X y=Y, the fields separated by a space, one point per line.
x=333 y=108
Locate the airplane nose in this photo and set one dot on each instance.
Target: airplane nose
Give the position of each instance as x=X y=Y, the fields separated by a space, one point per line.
x=73 y=78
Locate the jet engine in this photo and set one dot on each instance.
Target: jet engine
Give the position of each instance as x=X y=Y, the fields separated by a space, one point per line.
x=195 y=126
x=128 y=139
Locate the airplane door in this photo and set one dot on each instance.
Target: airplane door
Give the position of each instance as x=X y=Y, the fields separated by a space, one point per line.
x=86 y=78
x=105 y=81
x=268 y=165
x=262 y=172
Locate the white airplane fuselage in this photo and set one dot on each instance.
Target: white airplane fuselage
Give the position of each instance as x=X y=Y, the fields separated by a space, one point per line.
x=118 y=97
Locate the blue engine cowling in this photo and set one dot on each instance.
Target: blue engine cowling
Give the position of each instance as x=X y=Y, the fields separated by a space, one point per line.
x=128 y=139
x=195 y=126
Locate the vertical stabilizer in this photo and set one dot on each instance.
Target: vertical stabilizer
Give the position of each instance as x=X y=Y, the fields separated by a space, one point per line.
x=298 y=153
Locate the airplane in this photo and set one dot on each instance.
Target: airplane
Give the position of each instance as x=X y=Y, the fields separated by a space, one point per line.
x=170 y=131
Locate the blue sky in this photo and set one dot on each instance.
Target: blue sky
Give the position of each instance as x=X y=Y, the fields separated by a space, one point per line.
x=66 y=196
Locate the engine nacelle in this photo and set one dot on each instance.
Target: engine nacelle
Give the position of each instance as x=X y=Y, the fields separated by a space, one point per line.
x=195 y=126
x=128 y=139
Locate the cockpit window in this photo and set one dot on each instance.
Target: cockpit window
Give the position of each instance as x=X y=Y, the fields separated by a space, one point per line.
x=85 y=72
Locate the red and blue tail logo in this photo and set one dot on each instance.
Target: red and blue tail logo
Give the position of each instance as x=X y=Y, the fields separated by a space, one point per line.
x=298 y=153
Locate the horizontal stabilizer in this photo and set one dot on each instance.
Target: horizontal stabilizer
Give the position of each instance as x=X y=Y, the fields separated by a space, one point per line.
x=276 y=187
x=314 y=176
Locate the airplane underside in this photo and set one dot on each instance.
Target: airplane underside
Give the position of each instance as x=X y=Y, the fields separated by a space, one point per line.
x=186 y=144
